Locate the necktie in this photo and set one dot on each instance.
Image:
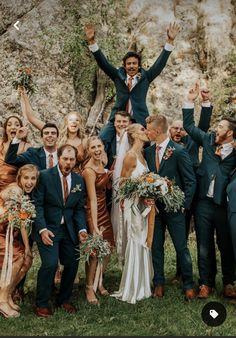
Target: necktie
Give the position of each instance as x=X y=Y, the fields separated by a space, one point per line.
x=129 y=84
x=218 y=150
x=157 y=157
x=50 y=160
x=65 y=188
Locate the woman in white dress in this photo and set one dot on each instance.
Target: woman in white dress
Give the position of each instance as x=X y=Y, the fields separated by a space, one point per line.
x=137 y=270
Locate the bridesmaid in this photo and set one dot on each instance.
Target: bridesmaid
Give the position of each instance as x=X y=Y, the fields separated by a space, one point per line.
x=97 y=180
x=11 y=126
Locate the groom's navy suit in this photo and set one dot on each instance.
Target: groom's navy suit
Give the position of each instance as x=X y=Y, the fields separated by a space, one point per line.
x=138 y=93
x=65 y=220
x=231 y=198
x=211 y=212
x=178 y=167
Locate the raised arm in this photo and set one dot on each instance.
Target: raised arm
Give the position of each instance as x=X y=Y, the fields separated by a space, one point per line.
x=27 y=109
x=160 y=63
x=100 y=58
x=206 y=111
x=188 y=120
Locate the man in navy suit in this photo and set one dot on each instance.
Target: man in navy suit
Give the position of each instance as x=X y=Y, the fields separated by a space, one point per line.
x=171 y=160
x=59 y=226
x=43 y=157
x=213 y=174
x=131 y=81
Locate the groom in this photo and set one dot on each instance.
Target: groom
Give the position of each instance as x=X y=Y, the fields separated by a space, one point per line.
x=59 y=226
x=168 y=159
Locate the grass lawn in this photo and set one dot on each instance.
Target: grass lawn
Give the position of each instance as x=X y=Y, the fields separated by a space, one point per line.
x=171 y=315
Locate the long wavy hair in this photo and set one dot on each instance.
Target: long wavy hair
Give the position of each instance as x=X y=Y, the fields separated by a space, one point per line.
x=64 y=133
x=5 y=137
x=131 y=130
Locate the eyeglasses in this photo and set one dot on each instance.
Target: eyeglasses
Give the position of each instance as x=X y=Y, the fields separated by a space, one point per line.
x=177 y=128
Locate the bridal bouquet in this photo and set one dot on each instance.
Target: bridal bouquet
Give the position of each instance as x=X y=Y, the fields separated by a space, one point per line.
x=152 y=186
x=95 y=246
x=24 y=79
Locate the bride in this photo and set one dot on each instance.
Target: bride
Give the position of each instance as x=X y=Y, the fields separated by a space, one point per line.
x=137 y=270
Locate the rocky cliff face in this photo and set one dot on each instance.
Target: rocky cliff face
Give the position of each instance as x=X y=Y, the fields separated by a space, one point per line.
x=204 y=49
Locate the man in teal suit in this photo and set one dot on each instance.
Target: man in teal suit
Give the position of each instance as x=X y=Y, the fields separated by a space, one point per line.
x=131 y=80
x=59 y=225
x=171 y=160
x=43 y=157
x=218 y=160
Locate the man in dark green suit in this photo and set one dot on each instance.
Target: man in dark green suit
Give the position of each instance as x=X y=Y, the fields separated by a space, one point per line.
x=179 y=135
x=231 y=198
x=174 y=163
x=131 y=81
x=43 y=157
x=59 y=225
x=218 y=160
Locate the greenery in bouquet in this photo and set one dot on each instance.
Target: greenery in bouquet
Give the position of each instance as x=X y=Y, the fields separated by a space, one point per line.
x=24 y=79
x=20 y=212
x=95 y=246
x=152 y=186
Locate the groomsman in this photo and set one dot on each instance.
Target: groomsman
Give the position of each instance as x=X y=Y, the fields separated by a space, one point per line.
x=59 y=226
x=179 y=135
x=231 y=198
x=218 y=160
x=131 y=81
x=171 y=160
x=43 y=157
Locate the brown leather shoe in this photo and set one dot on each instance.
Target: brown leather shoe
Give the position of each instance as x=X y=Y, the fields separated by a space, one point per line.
x=69 y=308
x=43 y=312
x=229 y=291
x=205 y=291
x=190 y=294
x=158 y=291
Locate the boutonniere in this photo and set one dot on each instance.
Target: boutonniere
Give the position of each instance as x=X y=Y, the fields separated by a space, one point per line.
x=168 y=153
x=77 y=188
x=138 y=75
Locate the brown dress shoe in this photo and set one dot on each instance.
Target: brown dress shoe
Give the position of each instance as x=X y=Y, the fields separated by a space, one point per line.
x=190 y=294
x=69 y=308
x=205 y=291
x=43 y=312
x=158 y=292
x=229 y=291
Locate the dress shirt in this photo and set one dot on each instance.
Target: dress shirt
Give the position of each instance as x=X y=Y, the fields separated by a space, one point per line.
x=117 y=144
x=162 y=149
x=55 y=158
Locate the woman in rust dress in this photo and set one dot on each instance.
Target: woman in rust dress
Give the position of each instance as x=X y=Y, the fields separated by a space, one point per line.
x=97 y=180
x=10 y=128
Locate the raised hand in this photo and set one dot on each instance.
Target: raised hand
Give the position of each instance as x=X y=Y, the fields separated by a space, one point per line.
x=22 y=133
x=193 y=92
x=205 y=94
x=90 y=34
x=172 y=31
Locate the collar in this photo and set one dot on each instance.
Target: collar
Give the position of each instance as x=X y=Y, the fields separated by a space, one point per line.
x=163 y=145
x=47 y=152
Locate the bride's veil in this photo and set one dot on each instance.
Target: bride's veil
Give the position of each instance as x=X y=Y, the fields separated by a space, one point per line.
x=116 y=214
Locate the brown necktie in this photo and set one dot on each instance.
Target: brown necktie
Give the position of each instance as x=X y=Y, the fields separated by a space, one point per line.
x=65 y=188
x=218 y=150
x=129 y=84
x=50 y=160
x=157 y=157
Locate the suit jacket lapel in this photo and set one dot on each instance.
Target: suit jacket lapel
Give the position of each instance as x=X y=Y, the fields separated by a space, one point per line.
x=73 y=184
x=163 y=161
x=57 y=184
x=151 y=158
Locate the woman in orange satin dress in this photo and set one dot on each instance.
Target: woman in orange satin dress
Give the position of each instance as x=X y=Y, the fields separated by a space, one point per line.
x=97 y=180
x=10 y=128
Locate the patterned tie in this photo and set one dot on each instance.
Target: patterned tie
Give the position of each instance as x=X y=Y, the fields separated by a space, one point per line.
x=50 y=160
x=157 y=157
x=129 y=84
x=218 y=150
x=65 y=188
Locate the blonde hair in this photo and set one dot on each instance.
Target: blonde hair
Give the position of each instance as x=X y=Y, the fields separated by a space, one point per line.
x=12 y=190
x=158 y=121
x=22 y=170
x=63 y=135
x=91 y=139
x=131 y=130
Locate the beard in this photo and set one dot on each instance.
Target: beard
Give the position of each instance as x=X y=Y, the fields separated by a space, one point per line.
x=221 y=138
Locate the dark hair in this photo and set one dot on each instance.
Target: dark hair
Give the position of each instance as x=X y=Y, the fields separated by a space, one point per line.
x=49 y=125
x=232 y=124
x=123 y=113
x=132 y=54
x=66 y=146
x=5 y=139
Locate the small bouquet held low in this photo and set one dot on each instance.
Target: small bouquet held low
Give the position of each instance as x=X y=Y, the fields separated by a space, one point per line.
x=151 y=186
x=97 y=247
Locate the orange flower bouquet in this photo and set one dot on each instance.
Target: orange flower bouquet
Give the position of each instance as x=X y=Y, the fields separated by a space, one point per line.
x=24 y=79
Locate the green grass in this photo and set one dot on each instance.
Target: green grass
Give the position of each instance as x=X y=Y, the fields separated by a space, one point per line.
x=171 y=315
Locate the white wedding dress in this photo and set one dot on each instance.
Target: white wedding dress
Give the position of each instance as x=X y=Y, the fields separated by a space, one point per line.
x=138 y=270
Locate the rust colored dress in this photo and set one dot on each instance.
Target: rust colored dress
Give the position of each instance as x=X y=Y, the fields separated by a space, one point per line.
x=8 y=172
x=18 y=247
x=101 y=184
